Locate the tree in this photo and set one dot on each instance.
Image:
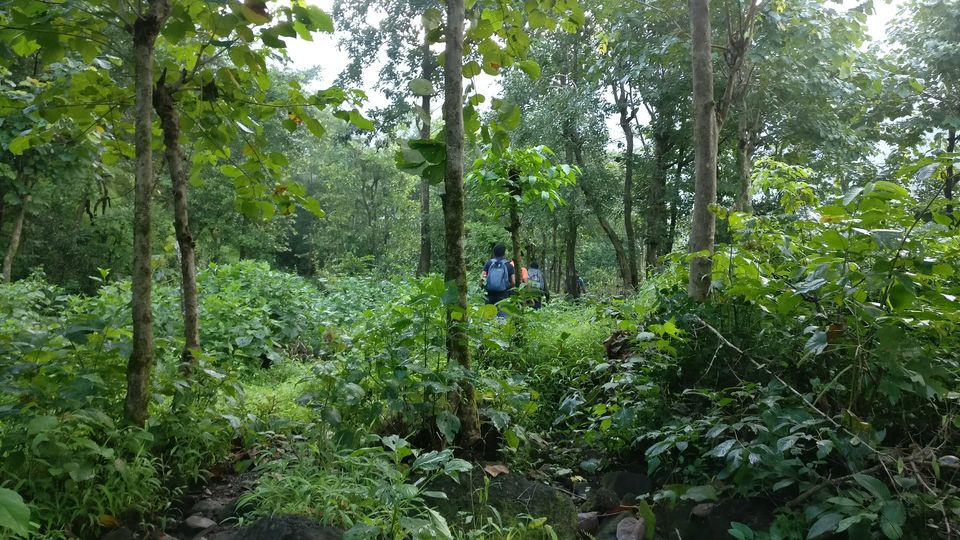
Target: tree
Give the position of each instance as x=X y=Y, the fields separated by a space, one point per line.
x=409 y=71
x=708 y=115
x=926 y=62
x=146 y=28
x=455 y=269
x=516 y=179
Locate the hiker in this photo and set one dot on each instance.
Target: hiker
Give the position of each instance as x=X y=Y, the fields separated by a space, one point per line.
x=537 y=284
x=499 y=278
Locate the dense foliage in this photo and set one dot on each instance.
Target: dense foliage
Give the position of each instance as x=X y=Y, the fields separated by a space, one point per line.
x=219 y=271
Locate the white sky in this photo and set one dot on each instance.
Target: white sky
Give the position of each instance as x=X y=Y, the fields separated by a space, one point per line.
x=325 y=53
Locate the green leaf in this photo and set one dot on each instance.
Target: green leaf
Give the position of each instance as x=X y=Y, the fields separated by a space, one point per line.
x=312 y=205
x=421 y=87
x=231 y=171
x=531 y=68
x=449 y=425
x=18 y=145
x=700 y=493
x=471 y=69
x=360 y=122
x=255 y=16
x=826 y=524
x=14 y=513
x=901 y=297
x=817 y=343
x=876 y=488
x=23 y=46
x=362 y=531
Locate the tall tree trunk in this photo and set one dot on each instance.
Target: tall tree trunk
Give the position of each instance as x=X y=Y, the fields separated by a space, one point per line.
x=656 y=207
x=554 y=271
x=608 y=229
x=703 y=227
x=626 y=116
x=672 y=235
x=163 y=101
x=423 y=266
x=570 y=249
x=515 y=240
x=145 y=31
x=455 y=269
x=951 y=179
x=15 y=237
x=745 y=148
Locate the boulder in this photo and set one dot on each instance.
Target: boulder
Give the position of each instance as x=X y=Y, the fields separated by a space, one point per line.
x=512 y=496
x=199 y=522
x=209 y=507
x=601 y=500
x=588 y=522
x=287 y=527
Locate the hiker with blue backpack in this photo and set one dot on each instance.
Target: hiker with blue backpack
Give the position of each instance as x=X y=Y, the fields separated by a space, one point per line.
x=499 y=277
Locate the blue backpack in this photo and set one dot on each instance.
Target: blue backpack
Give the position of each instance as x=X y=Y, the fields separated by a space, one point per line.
x=498 y=276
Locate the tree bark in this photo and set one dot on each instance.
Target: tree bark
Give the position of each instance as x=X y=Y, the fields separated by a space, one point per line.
x=515 y=240
x=626 y=116
x=455 y=269
x=555 y=267
x=423 y=266
x=608 y=229
x=163 y=101
x=656 y=207
x=951 y=179
x=15 y=237
x=145 y=31
x=745 y=148
x=571 y=256
x=703 y=227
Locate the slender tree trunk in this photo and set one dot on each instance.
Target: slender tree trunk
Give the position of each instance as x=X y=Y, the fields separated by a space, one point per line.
x=608 y=229
x=672 y=235
x=455 y=269
x=625 y=119
x=15 y=237
x=145 y=31
x=951 y=179
x=656 y=207
x=423 y=266
x=555 y=266
x=163 y=102
x=515 y=240
x=745 y=147
x=703 y=227
x=570 y=250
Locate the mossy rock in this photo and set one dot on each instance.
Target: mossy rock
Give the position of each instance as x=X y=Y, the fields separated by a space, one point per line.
x=512 y=496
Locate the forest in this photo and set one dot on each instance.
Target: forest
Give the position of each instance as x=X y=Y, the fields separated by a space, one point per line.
x=479 y=269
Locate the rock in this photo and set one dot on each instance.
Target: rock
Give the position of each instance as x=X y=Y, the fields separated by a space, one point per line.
x=209 y=507
x=702 y=510
x=287 y=527
x=512 y=496
x=631 y=528
x=588 y=522
x=121 y=533
x=601 y=500
x=626 y=484
x=199 y=522
x=608 y=526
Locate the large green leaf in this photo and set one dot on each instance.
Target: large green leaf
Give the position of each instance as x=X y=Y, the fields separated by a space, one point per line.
x=14 y=513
